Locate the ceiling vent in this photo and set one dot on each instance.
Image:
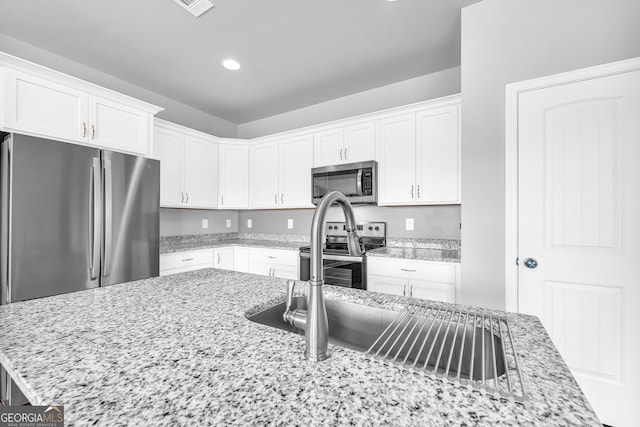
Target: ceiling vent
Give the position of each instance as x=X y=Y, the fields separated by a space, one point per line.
x=195 y=7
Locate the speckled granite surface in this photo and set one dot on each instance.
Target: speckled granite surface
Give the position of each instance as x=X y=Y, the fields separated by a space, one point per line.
x=422 y=254
x=179 y=350
x=173 y=244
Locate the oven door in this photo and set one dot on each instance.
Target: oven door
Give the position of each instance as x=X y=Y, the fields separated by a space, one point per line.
x=345 y=271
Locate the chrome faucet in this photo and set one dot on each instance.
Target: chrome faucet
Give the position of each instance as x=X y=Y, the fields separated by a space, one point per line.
x=314 y=320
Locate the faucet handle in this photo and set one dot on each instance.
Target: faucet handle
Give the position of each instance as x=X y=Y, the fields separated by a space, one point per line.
x=290 y=286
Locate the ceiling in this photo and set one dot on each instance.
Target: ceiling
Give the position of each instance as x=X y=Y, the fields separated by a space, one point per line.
x=293 y=53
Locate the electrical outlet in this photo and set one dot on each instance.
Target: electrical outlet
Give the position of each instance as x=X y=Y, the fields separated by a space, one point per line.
x=290 y=223
x=249 y=223
x=228 y=223
x=408 y=224
x=205 y=223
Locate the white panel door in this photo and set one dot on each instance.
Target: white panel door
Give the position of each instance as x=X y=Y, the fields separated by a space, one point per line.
x=396 y=148
x=579 y=218
x=168 y=147
x=360 y=142
x=328 y=147
x=118 y=126
x=263 y=176
x=296 y=161
x=437 y=154
x=45 y=108
x=200 y=173
x=387 y=285
x=233 y=176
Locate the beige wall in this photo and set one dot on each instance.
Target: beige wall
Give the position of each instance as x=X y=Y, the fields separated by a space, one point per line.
x=505 y=41
x=435 y=85
x=174 y=111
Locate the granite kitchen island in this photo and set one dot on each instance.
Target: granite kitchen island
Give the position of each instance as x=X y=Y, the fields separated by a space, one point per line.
x=179 y=350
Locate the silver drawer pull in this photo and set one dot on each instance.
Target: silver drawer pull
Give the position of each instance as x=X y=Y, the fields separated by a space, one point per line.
x=272 y=257
x=407 y=270
x=187 y=259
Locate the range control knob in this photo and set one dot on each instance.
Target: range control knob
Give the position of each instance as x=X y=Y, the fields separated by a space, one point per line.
x=377 y=228
x=370 y=228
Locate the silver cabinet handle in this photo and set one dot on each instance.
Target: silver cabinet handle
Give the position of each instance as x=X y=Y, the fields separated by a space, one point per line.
x=222 y=200
x=95 y=215
x=418 y=191
x=93 y=132
x=345 y=154
x=412 y=191
x=341 y=154
x=282 y=198
x=275 y=199
x=84 y=129
x=186 y=200
x=218 y=262
x=187 y=259
x=404 y=291
x=181 y=197
x=274 y=272
x=272 y=257
x=411 y=291
x=108 y=217
x=407 y=270
x=270 y=268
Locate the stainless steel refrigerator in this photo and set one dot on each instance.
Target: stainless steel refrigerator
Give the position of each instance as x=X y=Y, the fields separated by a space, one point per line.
x=74 y=217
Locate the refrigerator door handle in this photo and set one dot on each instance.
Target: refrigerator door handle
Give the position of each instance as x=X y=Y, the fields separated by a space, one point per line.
x=108 y=217
x=95 y=217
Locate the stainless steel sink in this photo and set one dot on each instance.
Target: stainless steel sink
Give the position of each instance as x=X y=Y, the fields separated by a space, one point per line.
x=463 y=352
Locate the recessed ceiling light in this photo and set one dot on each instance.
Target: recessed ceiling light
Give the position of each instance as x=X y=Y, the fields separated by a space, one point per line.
x=231 y=64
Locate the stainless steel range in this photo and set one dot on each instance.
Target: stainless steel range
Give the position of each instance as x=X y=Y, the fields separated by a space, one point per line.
x=340 y=268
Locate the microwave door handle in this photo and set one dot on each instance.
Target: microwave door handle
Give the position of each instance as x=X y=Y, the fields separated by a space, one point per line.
x=359 y=182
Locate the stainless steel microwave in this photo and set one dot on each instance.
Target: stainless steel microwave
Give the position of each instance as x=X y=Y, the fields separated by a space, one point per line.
x=357 y=181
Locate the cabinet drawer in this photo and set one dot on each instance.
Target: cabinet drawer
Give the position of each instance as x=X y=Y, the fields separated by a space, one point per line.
x=186 y=261
x=273 y=256
x=411 y=269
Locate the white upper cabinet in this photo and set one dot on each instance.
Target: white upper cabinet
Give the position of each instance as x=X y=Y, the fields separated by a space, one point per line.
x=396 y=147
x=263 y=183
x=296 y=161
x=118 y=126
x=419 y=155
x=52 y=105
x=200 y=172
x=234 y=176
x=280 y=173
x=348 y=144
x=188 y=167
x=437 y=155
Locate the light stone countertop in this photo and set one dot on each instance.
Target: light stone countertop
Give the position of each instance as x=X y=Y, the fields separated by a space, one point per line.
x=179 y=350
x=167 y=248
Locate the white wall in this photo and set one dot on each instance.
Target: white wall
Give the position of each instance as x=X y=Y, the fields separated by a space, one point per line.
x=435 y=85
x=174 y=111
x=505 y=41
x=181 y=222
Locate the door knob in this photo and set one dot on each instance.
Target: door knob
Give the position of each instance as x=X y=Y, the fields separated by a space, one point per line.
x=530 y=263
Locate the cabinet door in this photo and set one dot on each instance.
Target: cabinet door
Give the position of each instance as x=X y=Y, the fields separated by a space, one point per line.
x=118 y=126
x=168 y=147
x=296 y=161
x=223 y=258
x=328 y=147
x=241 y=259
x=433 y=291
x=179 y=262
x=387 y=285
x=263 y=176
x=360 y=142
x=437 y=155
x=395 y=148
x=45 y=108
x=233 y=176
x=200 y=173
x=286 y=271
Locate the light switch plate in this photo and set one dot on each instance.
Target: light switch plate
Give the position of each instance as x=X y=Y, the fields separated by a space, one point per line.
x=249 y=223
x=408 y=224
x=290 y=223
x=205 y=223
x=228 y=223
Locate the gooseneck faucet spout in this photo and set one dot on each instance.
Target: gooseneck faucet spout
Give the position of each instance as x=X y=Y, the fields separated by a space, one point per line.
x=314 y=321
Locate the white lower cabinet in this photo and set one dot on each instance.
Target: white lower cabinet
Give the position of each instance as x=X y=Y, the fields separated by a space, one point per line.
x=274 y=262
x=179 y=262
x=436 y=281
x=223 y=258
x=241 y=259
